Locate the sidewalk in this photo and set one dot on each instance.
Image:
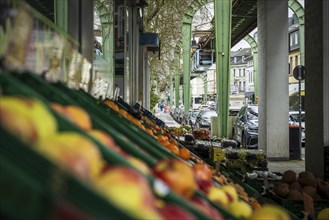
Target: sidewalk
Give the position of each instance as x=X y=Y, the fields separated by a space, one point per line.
x=273 y=166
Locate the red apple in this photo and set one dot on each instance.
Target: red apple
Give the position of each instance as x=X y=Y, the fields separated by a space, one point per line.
x=170 y=212
x=178 y=175
x=204 y=185
x=206 y=208
x=202 y=171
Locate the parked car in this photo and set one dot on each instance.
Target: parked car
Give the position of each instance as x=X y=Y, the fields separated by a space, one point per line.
x=180 y=116
x=192 y=117
x=177 y=114
x=203 y=118
x=245 y=127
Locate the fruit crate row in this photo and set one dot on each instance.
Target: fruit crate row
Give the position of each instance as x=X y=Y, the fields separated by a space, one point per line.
x=170 y=196
x=149 y=156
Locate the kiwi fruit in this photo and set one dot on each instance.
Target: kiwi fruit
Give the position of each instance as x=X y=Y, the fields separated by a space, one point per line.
x=294 y=195
x=296 y=186
x=323 y=189
x=304 y=174
x=289 y=176
x=310 y=190
x=307 y=179
x=281 y=189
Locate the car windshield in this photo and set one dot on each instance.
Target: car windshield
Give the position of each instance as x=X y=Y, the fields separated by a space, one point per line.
x=295 y=117
x=252 y=113
x=195 y=113
x=209 y=114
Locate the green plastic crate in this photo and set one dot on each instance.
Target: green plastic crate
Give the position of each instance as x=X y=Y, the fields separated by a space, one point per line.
x=21 y=88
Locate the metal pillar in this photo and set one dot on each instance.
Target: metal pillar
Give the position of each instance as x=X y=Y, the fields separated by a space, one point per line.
x=187 y=61
x=205 y=87
x=254 y=46
x=273 y=132
x=223 y=15
x=171 y=90
x=298 y=9
x=61 y=18
x=317 y=86
x=176 y=69
x=106 y=18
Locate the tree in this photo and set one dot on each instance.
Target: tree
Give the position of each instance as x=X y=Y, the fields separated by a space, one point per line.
x=165 y=18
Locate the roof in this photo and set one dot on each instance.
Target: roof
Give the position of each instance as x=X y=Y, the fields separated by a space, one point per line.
x=241 y=52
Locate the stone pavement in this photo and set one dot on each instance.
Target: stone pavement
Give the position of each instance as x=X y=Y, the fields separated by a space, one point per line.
x=274 y=166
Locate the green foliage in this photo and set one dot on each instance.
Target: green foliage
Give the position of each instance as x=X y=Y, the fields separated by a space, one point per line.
x=154 y=100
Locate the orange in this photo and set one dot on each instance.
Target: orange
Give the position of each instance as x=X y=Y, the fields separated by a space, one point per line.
x=165 y=143
x=162 y=138
x=122 y=112
x=173 y=141
x=173 y=148
x=149 y=130
x=184 y=154
x=112 y=105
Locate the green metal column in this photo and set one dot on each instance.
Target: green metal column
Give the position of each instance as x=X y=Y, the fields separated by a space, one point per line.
x=254 y=46
x=223 y=16
x=105 y=12
x=61 y=10
x=205 y=86
x=177 y=72
x=171 y=90
x=187 y=61
x=298 y=9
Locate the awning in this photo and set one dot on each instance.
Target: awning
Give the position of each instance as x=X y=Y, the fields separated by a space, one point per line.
x=248 y=94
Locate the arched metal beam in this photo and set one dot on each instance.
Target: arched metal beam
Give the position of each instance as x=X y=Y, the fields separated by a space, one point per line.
x=254 y=47
x=186 y=43
x=176 y=70
x=298 y=9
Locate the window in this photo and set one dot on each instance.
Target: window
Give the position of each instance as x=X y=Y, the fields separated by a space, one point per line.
x=296 y=60
x=239 y=72
x=240 y=86
x=121 y=19
x=252 y=77
x=244 y=86
x=233 y=72
x=290 y=40
x=244 y=72
x=296 y=37
x=291 y=66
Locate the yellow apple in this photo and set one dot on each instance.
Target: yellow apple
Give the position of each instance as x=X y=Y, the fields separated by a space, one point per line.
x=240 y=209
x=129 y=190
x=218 y=196
x=74 y=152
x=270 y=212
x=230 y=192
x=29 y=119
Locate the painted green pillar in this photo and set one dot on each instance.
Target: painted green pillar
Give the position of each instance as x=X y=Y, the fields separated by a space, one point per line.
x=61 y=10
x=205 y=87
x=177 y=72
x=298 y=9
x=105 y=13
x=186 y=61
x=254 y=46
x=171 y=90
x=223 y=15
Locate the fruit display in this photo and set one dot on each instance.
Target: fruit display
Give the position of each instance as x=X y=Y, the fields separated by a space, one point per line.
x=293 y=188
x=202 y=134
x=179 y=131
x=245 y=160
x=119 y=157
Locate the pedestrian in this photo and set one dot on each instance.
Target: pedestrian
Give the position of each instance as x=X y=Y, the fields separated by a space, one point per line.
x=161 y=106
